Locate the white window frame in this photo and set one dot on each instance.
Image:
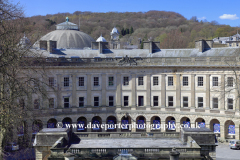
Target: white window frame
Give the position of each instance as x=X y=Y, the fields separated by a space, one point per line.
x=66 y=81
x=215 y=102
x=155 y=101
x=185 y=102
x=51 y=81
x=96 y=101
x=65 y=102
x=126 y=81
x=230 y=104
x=200 y=81
x=81 y=102
x=170 y=81
x=200 y=103
x=214 y=81
x=230 y=81
x=170 y=101
x=185 y=81
x=95 y=81
x=140 y=81
x=111 y=101
x=81 y=81
x=110 y=81
x=126 y=101
x=155 y=81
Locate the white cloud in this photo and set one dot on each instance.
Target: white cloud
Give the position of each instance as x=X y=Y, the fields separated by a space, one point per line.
x=201 y=18
x=229 y=16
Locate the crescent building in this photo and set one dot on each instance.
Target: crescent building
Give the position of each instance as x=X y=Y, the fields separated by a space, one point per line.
x=107 y=85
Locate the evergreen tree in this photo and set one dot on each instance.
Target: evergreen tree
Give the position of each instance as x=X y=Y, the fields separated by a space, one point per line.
x=122 y=31
x=127 y=31
x=141 y=47
x=131 y=30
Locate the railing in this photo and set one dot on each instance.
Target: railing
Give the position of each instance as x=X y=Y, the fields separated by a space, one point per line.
x=138 y=61
x=127 y=134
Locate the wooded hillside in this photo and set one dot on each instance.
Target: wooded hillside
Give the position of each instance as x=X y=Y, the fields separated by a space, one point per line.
x=170 y=28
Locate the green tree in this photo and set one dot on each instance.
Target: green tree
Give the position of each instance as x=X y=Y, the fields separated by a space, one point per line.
x=141 y=47
x=131 y=30
x=123 y=32
x=127 y=31
x=161 y=37
x=223 y=31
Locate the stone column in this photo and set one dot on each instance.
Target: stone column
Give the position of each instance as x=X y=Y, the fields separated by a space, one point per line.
x=104 y=122
x=119 y=91
x=237 y=99
x=104 y=90
x=89 y=90
x=178 y=91
x=148 y=90
x=59 y=92
x=222 y=130
x=207 y=91
x=74 y=87
x=163 y=122
x=222 y=96
x=133 y=90
x=193 y=90
x=207 y=125
x=177 y=126
x=163 y=91
x=148 y=124
x=236 y=131
x=132 y=127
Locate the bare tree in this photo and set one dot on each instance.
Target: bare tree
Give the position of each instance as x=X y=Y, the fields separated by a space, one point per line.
x=18 y=80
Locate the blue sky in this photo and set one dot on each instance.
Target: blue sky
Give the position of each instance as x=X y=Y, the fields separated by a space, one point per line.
x=224 y=12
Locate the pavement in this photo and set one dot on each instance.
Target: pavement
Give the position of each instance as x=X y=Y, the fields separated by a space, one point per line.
x=223 y=152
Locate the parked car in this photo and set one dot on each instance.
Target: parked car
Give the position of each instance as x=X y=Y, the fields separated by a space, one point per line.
x=235 y=144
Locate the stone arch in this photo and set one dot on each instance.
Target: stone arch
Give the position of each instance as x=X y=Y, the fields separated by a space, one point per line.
x=124 y=119
x=37 y=125
x=154 y=121
x=185 y=122
x=111 y=121
x=65 y=121
x=22 y=128
x=170 y=120
x=52 y=123
x=140 y=121
x=213 y=124
x=227 y=127
x=96 y=124
x=82 y=124
x=200 y=122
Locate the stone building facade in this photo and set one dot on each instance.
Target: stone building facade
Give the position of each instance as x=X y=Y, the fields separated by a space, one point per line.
x=199 y=86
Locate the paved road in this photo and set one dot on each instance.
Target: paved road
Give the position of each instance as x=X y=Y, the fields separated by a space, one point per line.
x=225 y=153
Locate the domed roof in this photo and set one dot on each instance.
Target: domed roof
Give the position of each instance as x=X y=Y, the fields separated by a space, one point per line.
x=101 y=39
x=69 y=39
x=114 y=30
